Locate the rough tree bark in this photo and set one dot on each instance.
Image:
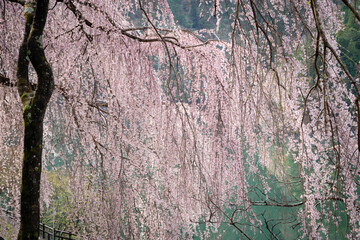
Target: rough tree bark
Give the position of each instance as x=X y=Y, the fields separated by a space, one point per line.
x=35 y=102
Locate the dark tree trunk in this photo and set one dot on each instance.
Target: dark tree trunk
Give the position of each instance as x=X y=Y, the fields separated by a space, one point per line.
x=35 y=104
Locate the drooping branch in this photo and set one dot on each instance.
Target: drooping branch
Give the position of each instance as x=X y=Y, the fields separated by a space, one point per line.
x=320 y=30
x=128 y=32
x=314 y=8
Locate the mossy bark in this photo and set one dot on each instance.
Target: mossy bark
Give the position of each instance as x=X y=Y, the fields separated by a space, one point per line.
x=31 y=175
x=35 y=104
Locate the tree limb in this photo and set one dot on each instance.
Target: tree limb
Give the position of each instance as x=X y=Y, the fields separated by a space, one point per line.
x=356 y=14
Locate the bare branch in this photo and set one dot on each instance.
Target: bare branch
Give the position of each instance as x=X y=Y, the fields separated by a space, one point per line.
x=356 y=14
x=260 y=203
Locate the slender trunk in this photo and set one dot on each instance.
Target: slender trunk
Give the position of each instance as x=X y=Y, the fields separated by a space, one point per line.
x=31 y=175
x=35 y=104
